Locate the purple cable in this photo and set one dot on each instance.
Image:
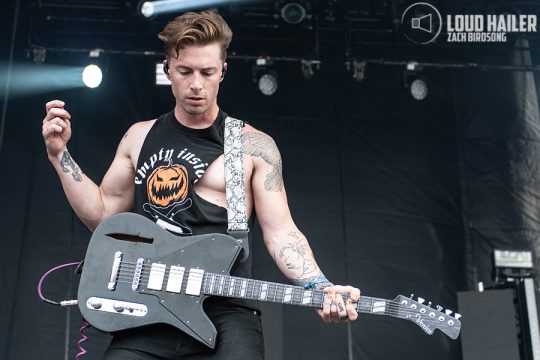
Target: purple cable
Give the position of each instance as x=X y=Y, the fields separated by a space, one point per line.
x=47 y=274
x=84 y=338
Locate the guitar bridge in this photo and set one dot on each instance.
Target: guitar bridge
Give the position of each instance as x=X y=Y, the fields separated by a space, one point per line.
x=114 y=271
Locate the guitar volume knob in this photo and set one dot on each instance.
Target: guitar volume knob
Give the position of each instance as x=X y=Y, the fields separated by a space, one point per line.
x=118 y=306
x=95 y=303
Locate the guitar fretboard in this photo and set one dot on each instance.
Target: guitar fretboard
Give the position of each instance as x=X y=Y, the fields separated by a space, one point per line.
x=242 y=288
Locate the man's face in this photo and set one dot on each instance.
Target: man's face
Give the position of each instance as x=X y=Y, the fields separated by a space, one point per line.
x=195 y=75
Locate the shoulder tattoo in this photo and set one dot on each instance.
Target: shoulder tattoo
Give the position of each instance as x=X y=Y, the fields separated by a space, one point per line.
x=262 y=145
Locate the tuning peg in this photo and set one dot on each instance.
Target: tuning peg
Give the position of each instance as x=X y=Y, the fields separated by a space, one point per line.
x=429 y=304
x=439 y=308
x=412 y=295
x=421 y=300
x=457 y=316
x=448 y=312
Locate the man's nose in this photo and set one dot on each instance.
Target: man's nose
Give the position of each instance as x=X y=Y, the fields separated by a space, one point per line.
x=196 y=84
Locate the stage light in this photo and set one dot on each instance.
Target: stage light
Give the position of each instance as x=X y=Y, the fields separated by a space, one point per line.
x=265 y=76
x=149 y=9
x=92 y=76
x=39 y=55
x=509 y=265
x=307 y=67
x=419 y=89
x=414 y=81
x=359 y=68
x=268 y=84
x=293 y=13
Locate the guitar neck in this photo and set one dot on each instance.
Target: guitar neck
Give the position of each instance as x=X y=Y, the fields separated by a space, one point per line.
x=242 y=288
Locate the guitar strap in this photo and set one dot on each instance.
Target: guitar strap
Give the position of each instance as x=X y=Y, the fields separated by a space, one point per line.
x=234 y=183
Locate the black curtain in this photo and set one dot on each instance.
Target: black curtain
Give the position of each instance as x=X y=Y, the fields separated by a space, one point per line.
x=396 y=196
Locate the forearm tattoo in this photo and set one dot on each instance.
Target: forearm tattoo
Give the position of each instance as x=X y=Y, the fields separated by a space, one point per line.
x=298 y=259
x=262 y=145
x=68 y=165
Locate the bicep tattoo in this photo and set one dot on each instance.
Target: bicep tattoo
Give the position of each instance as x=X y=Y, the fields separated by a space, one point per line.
x=68 y=164
x=262 y=145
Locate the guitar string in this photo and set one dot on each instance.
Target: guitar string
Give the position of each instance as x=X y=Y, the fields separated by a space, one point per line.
x=228 y=279
x=279 y=290
x=391 y=309
x=364 y=305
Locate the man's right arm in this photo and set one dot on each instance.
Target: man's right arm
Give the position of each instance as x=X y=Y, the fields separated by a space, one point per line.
x=92 y=203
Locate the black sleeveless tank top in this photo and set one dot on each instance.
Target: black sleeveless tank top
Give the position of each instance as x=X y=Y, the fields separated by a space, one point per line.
x=173 y=157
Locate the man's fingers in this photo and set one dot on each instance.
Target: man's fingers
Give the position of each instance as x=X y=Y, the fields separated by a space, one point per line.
x=352 y=314
x=57 y=121
x=56 y=112
x=327 y=305
x=54 y=103
x=51 y=129
x=341 y=310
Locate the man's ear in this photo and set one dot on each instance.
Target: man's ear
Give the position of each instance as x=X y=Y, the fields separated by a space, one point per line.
x=223 y=71
x=166 y=67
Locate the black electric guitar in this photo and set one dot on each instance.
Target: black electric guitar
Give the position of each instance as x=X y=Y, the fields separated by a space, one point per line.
x=135 y=273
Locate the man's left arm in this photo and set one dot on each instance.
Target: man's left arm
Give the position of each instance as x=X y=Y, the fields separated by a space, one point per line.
x=287 y=245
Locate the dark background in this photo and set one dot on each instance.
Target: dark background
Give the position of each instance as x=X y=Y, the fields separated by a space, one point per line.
x=397 y=196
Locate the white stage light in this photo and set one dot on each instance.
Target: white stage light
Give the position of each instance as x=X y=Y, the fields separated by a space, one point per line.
x=92 y=76
x=268 y=84
x=152 y=8
x=419 y=89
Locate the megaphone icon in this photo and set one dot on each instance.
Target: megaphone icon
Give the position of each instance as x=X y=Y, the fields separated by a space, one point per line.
x=422 y=23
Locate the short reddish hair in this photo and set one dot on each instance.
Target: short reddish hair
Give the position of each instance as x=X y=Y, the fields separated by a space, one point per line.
x=194 y=28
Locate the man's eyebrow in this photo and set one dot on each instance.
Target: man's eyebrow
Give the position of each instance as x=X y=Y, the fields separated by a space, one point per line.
x=209 y=68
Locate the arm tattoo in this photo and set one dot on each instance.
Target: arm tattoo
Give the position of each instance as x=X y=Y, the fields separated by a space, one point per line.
x=262 y=145
x=66 y=163
x=295 y=258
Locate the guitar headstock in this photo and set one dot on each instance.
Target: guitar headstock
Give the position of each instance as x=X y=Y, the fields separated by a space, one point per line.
x=426 y=317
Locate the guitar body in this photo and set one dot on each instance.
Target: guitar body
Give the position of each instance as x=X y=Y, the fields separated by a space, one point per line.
x=108 y=296
x=136 y=274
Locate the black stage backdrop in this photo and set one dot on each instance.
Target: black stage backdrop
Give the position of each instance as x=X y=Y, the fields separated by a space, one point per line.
x=396 y=196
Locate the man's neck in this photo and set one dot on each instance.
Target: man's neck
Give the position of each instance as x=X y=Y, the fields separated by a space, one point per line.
x=198 y=121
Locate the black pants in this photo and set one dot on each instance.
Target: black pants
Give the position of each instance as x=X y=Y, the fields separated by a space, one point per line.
x=239 y=338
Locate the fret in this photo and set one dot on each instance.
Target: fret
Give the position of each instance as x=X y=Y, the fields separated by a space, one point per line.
x=264 y=289
x=231 y=287
x=251 y=286
x=297 y=295
x=206 y=283
x=212 y=278
x=221 y=280
x=243 y=289
x=256 y=289
x=272 y=291
x=287 y=296
x=318 y=298
x=280 y=292
x=307 y=297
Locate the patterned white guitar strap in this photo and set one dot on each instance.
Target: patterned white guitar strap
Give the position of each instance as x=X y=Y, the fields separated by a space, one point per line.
x=234 y=183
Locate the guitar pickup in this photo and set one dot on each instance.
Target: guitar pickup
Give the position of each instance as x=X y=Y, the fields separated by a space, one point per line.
x=194 y=282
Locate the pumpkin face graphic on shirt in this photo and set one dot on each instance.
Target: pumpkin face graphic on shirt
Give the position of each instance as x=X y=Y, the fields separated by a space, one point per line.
x=167 y=185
